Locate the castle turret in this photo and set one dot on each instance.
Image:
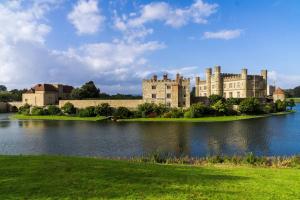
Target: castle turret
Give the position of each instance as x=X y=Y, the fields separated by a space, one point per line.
x=218 y=81
x=208 y=81
x=244 y=75
x=197 y=83
x=264 y=74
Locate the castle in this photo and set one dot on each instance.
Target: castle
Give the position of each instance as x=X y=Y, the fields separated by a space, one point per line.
x=232 y=85
x=172 y=93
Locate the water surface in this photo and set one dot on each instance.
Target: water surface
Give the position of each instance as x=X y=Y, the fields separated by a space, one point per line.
x=279 y=135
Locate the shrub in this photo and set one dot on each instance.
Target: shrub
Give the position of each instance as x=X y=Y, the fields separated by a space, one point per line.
x=199 y=110
x=214 y=99
x=104 y=110
x=161 y=109
x=220 y=107
x=233 y=101
x=146 y=108
x=123 y=112
x=38 y=111
x=188 y=114
x=87 y=112
x=280 y=106
x=53 y=110
x=174 y=113
x=69 y=108
x=291 y=104
x=24 y=110
x=268 y=108
x=250 y=106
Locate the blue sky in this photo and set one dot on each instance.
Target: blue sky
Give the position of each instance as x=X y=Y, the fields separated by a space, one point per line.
x=117 y=43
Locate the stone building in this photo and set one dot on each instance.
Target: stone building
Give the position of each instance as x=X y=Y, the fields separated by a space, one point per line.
x=279 y=94
x=232 y=85
x=172 y=93
x=46 y=94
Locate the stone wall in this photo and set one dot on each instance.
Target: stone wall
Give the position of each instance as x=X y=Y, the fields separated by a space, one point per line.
x=3 y=107
x=131 y=104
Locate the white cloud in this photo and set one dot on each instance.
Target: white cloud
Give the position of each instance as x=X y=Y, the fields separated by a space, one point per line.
x=223 y=34
x=133 y=25
x=283 y=80
x=86 y=17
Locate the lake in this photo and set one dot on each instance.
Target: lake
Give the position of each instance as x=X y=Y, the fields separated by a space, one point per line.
x=278 y=135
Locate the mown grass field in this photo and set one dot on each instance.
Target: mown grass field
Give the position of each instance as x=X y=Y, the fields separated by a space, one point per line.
x=54 y=117
x=297 y=100
x=53 y=177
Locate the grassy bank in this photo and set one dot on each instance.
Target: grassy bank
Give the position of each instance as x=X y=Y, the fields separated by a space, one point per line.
x=204 y=119
x=45 y=177
x=54 y=117
x=297 y=100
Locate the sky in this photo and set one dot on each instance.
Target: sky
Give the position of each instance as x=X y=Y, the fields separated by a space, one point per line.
x=117 y=43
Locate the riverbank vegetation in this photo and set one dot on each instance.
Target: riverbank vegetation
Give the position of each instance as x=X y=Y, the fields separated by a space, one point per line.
x=217 y=109
x=58 y=177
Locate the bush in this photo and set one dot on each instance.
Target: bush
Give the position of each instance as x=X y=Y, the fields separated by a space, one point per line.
x=123 y=113
x=38 y=111
x=280 y=106
x=174 y=113
x=268 y=108
x=220 y=107
x=104 y=110
x=69 y=108
x=53 y=110
x=250 y=106
x=24 y=110
x=199 y=110
x=233 y=101
x=87 y=112
x=188 y=114
x=214 y=99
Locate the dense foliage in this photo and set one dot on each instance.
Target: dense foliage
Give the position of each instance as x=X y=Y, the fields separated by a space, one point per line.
x=69 y=108
x=86 y=91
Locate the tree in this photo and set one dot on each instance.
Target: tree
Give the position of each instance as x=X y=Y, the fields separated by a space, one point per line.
x=89 y=90
x=199 y=110
x=53 y=110
x=280 y=106
x=214 y=98
x=3 y=88
x=123 y=112
x=291 y=103
x=69 y=108
x=104 y=110
x=250 y=106
x=220 y=107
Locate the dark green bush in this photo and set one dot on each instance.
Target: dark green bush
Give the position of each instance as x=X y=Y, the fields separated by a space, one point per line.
x=214 y=99
x=24 y=110
x=53 y=110
x=69 y=108
x=280 y=106
x=268 y=108
x=123 y=113
x=174 y=113
x=199 y=110
x=38 y=111
x=250 y=106
x=220 y=107
x=87 y=112
x=104 y=110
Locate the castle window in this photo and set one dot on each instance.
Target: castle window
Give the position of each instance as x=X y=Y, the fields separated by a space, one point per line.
x=200 y=87
x=238 y=94
x=224 y=85
x=184 y=95
x=204 y=94
x=230 y=94
x=213 y=86
x=204 y=87
x=234 y=85
x=168 y=95
x=230 y=85
x=168 y=104
x=168 y=87
x=238 y=84
x=153 y=87
x=153 y=96
x=224 y=95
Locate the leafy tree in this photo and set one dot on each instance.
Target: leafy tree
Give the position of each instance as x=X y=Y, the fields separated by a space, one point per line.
x=123 y=112
x=174 y=113
x=199 y=110
x=214 y=98
x=250 y=106
x=24 y=110
x=104 y=110
x=89 y=90
x=69 y=108
x=3 y=88
x=87 y=112
x=280 y=106
x=233 y=101
x=146 y=109
x=220 y=107
x=291 y=103
x=38 y=111
x=268 y=108
x=76 y=93
x=53 y=110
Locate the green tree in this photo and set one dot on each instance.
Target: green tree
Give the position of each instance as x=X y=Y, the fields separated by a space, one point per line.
x=214 y=98
x=53 y=110
x=69 y=108
x=291 y=103
x=123 y=113
x=220 y=107
x=250 y=106
x=104 y=109
x=280 y=106
x=76 y=93
x=199 y=110
x=89 y=90
x=3 y=88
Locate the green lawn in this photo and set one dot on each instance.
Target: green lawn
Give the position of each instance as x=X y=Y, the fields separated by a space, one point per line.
x=204 y=119
x=46 y=177
x=297 y=100
x=54 y=117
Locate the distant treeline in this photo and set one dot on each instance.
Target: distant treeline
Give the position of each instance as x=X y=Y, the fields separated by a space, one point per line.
x=12 y=95
x=293 y=92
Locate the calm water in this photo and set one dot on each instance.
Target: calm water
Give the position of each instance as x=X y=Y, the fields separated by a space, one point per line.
x=278 y=135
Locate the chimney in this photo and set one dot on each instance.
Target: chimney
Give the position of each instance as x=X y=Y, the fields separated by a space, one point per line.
x=165 y=77
x=154 y=77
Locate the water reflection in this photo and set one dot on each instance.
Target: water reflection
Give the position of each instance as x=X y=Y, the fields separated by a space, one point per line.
x=269 y=136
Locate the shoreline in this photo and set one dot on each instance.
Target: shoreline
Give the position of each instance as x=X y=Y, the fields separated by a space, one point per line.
x=101 y=118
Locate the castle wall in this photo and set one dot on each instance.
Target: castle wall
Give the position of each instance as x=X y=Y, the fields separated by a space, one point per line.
x=131 y=104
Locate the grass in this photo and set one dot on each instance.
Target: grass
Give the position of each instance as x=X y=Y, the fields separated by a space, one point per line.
x=297 y=100
x=204 y=119
x=54 y=117
x=54 y=177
